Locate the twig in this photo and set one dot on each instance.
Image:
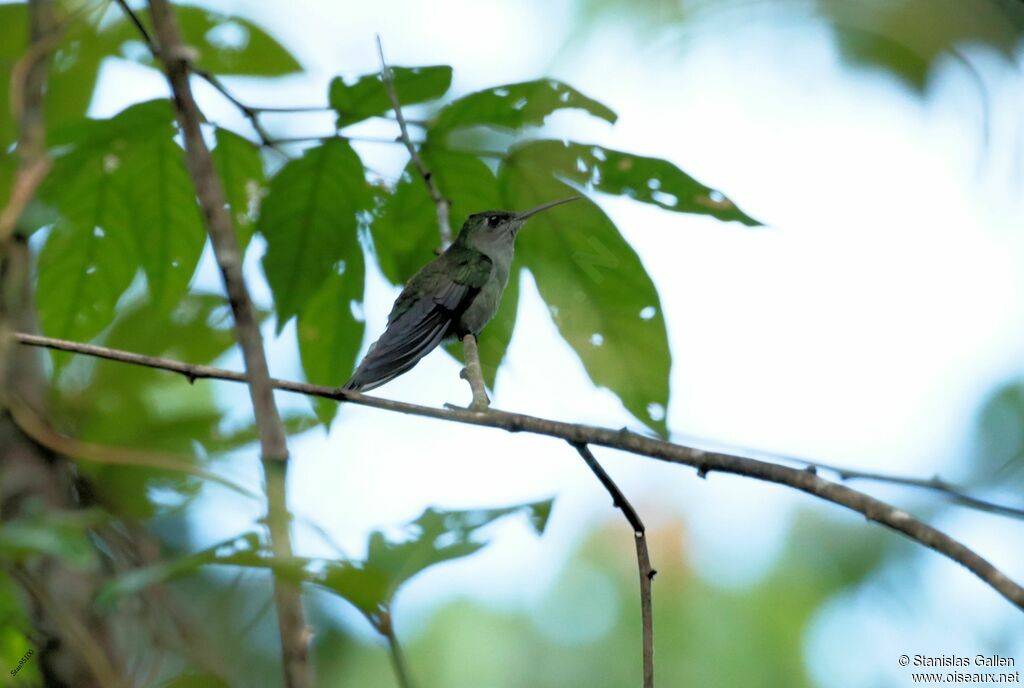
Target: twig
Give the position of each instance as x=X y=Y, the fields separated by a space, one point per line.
x=704 y=461
x=37 y=428
x=30 y=175
x=397 y=656
x=957 y=494
x=442 y=203
x=273 y=446
x=474 y=374
x=643 y=558
x=27 y=83
x=250 y=113
x=358 y=139
x=935 y=484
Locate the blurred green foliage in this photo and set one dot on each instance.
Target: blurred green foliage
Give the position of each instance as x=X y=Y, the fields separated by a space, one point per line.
x=905 y=38
x=119 y=237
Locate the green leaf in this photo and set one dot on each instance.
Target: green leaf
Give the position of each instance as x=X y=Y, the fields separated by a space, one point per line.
x=225 y=441
x=148 y=169
x=166 y=222
x=137 y=580
x=368 y=97
x=329 y=333
x=72 y=72
x=225 y=44
x=196 y=681
x=310 y=220
x=240 y=168
x=113 y=404
x=600 y=297
x=998 y=455
x=515 y=106
x=199 y=330
x=89 y=259
x=13 y=34
x=405 y=233
x=436 y=536
x=62 y=534
x=649 y=180
x=908 y=38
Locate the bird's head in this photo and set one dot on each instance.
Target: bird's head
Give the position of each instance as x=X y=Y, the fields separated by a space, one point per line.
x=495 y=228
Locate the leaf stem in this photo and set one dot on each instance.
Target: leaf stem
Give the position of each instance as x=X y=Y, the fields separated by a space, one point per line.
x=397 y=657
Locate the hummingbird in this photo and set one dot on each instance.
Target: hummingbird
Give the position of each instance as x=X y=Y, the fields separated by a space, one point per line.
x=453 y=295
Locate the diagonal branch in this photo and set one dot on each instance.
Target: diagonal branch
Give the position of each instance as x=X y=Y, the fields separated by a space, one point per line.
x=442 y=203
x=643 y=558
x=273 y=447
x=704 y=461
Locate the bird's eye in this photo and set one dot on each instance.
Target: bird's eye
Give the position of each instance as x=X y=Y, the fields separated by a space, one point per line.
x=493 y=221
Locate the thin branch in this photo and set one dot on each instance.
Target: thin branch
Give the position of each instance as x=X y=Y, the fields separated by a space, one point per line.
x=704 y=461
x=936 y=484
x=397 y=656
x=474 y=374
x=643 y=558
x=30 y=175
x=273 y=446
x=40 y=431
x=250 y=113
x=957 y=494
x=25 y=96
x=357 y=139
x=442 y=203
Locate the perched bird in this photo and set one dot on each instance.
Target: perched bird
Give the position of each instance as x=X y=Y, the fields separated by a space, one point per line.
x=455 y=294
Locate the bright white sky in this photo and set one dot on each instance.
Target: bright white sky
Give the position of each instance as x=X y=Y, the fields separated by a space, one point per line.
x=862 y=328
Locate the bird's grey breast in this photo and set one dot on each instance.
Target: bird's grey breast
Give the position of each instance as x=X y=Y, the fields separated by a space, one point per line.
x=486 y=302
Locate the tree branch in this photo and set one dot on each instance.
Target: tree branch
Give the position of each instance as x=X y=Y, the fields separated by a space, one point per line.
x=474 y=374
x=443 y=206
x=643 y=558
x=704 y=461
x=273 y=448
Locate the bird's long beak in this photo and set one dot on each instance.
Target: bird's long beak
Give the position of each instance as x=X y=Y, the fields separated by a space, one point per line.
x=544 y=206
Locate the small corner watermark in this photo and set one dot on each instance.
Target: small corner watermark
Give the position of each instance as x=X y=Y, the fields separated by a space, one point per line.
x=22 y=662
x=965 y=668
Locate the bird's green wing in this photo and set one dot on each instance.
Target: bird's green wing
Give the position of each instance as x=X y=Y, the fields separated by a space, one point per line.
x=432 y=301
x=448 y=279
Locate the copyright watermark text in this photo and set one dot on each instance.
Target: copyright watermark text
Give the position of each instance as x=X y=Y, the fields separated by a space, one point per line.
x=967 y=668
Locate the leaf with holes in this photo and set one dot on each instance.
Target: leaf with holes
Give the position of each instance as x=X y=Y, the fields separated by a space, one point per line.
x=72 y=72
x=240 y=168
x=599 y=294
x=90 y=257
x=310 y=219
x=329 y=333
x=148 y=171
x=648 y=180
x=515 y=106
x=88 y=260
x=405 y=233
x=165 y=220
x=435 y=537
x=368 y=97
x=224 y=44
